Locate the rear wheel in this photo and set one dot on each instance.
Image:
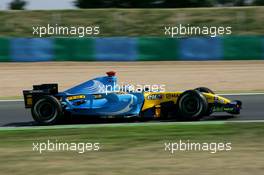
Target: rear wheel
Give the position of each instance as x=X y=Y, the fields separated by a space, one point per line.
x=47 y=110
x=192 y=105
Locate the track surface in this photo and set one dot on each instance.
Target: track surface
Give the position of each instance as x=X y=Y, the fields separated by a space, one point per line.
x=13 y=113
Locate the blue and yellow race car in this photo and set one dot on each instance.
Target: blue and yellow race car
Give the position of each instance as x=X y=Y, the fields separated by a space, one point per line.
x=102 y=97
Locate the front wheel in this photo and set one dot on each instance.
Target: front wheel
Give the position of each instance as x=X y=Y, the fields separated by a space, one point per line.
x=204 y=89
x=192 y=105
x=47 y=110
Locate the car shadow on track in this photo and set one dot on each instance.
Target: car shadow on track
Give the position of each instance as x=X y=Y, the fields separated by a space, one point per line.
x=218 y=118
x=85 y=120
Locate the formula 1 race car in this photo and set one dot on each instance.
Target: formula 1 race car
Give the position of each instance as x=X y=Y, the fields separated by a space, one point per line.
x=101 y=97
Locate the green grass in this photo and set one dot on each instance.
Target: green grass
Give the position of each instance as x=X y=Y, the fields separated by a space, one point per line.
x=134 y=22
x=126 y=149
x=11 y=98
x=145 y=133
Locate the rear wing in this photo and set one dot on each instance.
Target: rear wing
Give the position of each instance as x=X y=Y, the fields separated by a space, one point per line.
x=31 y=96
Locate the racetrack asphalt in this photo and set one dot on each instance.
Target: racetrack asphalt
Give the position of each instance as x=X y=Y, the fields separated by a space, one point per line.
x=13 y=113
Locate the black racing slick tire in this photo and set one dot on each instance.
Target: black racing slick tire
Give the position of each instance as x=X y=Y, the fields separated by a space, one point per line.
x=204 y=89
x=47 y=110
x=192 y=105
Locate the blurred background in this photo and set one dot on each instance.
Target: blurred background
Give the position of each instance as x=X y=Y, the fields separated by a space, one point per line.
x=131 y=30
x=71 y=4
x=246 y=18
x=132 y=41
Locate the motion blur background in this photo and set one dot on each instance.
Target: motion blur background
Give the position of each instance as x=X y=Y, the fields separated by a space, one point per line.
x=132 y=35
x=135 y=32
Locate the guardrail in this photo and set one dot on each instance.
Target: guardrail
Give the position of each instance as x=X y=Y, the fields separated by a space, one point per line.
x=131 y=49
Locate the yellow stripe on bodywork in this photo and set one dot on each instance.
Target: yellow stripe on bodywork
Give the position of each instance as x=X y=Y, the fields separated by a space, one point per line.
x=212 y=98
x=76 y=97
x=153 y=99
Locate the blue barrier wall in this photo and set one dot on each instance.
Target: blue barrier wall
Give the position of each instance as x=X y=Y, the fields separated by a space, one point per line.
x=132 y=49
x=4 y=49
x=115 y=49
x=77 y=49
x=262 y=47
x=242 y=47
x=201 y=49
x=35 y=49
